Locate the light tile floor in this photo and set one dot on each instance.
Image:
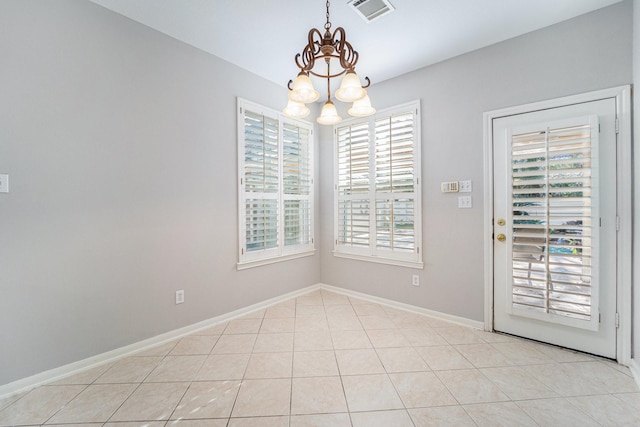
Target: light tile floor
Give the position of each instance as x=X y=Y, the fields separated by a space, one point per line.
x=324 y=359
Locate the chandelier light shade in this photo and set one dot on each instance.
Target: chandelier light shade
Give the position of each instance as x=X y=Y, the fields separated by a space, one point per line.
x=303 y=90
x=351 y=89
x=329 y=114
x=330 y=48
x=296 y=110
x=362 y=107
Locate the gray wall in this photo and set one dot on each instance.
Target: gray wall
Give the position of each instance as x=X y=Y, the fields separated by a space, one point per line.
x=120 y=144
x=121 y=148
x=636 y=222
x=587 y=53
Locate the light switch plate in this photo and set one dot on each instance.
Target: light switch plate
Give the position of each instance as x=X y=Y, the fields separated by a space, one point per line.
x=464 y=202
x=4 y=183
x=465 y=186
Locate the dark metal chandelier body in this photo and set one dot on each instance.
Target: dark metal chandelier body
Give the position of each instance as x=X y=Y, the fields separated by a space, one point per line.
x=328 y=46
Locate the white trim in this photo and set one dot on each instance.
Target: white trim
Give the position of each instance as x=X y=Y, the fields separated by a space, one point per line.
x=266 y=261
x=623 y=97
x=380 y=260
x=26 y=384
x=463 y=321
x=64 y=371
x=634 y=366
x=488 y=221
x=625 y=234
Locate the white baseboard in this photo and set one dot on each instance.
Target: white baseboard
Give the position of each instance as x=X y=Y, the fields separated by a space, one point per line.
x=634 y=366
x=61 y=372
x=407 y=307
x=64 y=371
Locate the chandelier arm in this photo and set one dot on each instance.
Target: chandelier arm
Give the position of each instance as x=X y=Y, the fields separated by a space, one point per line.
x=308 y=60
x=301 y=66
x=325 y=76
x=368 y=83
x=309 y=52
x=290 y=85
x=348 y=56
x=344 y=49
x=312 y=43
x=339 y=42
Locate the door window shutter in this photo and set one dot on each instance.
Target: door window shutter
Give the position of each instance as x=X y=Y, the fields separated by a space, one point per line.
x=555 y=222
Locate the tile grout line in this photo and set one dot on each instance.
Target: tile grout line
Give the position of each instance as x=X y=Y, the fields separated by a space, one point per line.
x=398 y=327
x=344 y=393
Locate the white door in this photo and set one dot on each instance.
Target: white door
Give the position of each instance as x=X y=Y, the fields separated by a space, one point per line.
x=555 y=226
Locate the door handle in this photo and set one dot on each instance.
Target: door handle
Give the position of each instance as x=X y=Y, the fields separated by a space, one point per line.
x=501 y=237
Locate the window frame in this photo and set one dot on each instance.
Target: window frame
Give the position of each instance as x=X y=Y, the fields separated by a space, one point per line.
x=371 y=252
x=282 y=251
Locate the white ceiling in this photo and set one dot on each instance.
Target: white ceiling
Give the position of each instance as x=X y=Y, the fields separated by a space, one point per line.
x=263 y=36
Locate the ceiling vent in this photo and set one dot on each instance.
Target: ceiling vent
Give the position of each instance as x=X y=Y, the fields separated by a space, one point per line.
x=370 y=10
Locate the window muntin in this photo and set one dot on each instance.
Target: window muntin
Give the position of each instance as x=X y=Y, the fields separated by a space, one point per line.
x=377 y=206
x=276 y=185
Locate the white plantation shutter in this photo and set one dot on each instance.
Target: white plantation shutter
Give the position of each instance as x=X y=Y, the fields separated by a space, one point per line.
x=353 y=225
x=395 y=190
x=377 y=179
x=297 y=185
x=353 y=159
x=556 y=221
x=353 y=185
x=276 y=185
x=261 y=181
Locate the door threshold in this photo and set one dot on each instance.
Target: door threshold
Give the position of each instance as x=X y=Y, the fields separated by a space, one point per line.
x=559 y=347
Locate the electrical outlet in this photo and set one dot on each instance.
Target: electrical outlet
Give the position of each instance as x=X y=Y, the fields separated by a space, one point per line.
x=179 y=297
x=464 y=202
x=415 y=280
x=4 y=183
x=465 y=186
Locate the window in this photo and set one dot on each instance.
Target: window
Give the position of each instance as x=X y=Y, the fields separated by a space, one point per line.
x=377 y=187
x=276 y=186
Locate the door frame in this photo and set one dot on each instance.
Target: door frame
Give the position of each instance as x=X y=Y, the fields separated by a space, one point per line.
x=624 y=185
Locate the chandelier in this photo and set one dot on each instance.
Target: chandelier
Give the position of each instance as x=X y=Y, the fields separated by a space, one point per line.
x=330 y=47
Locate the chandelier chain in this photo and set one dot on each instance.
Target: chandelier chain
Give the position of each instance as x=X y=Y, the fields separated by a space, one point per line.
x=328 y=24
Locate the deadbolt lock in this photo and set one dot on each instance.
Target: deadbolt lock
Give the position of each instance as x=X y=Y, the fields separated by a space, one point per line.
x=501 y=237
x=501 y=222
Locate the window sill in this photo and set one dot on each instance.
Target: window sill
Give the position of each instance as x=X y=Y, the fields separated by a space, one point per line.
x=244 y=265
x=379 y=260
